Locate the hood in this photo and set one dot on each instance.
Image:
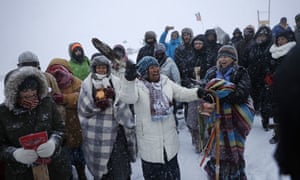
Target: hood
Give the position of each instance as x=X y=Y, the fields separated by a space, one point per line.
x=62 y=62
x=15 y=77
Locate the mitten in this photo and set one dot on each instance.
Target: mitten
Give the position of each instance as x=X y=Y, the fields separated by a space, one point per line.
x=58 y=98
x=102 y=104
x=201 y=92
x=169 y=28
x=110 y=93
x=25 y=156
x=130 y=72
x=47 y=149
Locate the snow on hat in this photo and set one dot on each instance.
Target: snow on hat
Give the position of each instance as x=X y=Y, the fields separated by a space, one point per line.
x=229 y=51
x=145 y=63
x=28 y=58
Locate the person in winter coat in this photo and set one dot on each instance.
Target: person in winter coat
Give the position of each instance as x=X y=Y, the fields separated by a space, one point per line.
x=212 y=46
x=28 y=109
x=236 y=36
x=258 y=60
x=168 y=68
x=152 y=94
x=120 y=52
x=286 y=90
x=174 y=41
x=284 y=42
x=148 y=48
x=243 y=46
x=28 y=58
x=183 y=56
x=198 y=67
x=232 y=85
x=70 y=87
x=281 y=27
x=103 y=120
x=297 y=28
x=79 y=62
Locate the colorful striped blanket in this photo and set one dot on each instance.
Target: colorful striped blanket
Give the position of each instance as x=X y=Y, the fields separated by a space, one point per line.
x=235 y=121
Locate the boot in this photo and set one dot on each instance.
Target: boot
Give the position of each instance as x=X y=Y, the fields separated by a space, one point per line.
x=81 y=172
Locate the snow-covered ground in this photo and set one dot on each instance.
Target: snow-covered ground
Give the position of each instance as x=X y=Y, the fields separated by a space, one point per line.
x=259 y=155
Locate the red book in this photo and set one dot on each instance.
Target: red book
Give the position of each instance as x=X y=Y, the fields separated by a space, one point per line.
x=32 y=141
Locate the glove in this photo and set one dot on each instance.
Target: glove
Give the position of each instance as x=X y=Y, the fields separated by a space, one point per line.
x=130 y=72
x=209 y=98
x=201 y=92
x=25 y=156
x=58 y=98
x=169 y=28
x=47 y=149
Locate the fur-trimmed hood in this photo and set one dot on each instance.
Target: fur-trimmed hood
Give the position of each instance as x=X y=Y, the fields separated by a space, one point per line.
x=15 y=77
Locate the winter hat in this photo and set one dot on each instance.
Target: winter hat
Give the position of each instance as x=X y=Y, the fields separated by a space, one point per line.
x=229 y=51
x=289 y=35
x=28 y=58
x=187 y=30
x=144 y=64
x=73 y=46
x=119 y=51
x=100 y=60
x=160 y=48
x=297 y=17
x=150 y=34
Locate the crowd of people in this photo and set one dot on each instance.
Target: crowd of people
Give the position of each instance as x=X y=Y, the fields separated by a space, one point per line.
x=98 y=113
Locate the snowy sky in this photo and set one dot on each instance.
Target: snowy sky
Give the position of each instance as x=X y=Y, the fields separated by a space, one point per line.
x=47 y=27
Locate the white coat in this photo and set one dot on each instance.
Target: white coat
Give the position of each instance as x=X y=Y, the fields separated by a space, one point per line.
x=154 y=136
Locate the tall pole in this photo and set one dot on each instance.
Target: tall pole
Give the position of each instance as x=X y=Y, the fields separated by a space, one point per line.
x=269 y=12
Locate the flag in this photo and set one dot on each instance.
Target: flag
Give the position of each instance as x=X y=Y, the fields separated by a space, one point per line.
x=198 y=16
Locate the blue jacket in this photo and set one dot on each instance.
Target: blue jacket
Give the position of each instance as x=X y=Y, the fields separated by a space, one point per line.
x=171 y=45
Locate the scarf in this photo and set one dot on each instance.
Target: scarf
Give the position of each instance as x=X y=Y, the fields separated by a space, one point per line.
x=279 y=51
x=159 y=103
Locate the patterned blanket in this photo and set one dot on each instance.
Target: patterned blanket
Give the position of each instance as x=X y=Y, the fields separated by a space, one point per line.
x=235 y=121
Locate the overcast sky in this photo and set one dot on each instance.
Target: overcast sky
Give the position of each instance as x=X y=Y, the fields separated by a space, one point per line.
x=47 y=27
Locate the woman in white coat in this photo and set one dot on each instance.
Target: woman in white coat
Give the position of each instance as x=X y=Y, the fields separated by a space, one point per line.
x=152 y=94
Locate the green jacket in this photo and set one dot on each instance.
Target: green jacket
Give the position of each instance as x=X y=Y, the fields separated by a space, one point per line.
x=80 y=70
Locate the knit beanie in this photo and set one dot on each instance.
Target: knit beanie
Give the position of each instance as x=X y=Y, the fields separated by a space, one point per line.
x=144 y=64
x=28 y=58
x=160 y=48
x=75 y=45
x=188 y=31
x=229 y=51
